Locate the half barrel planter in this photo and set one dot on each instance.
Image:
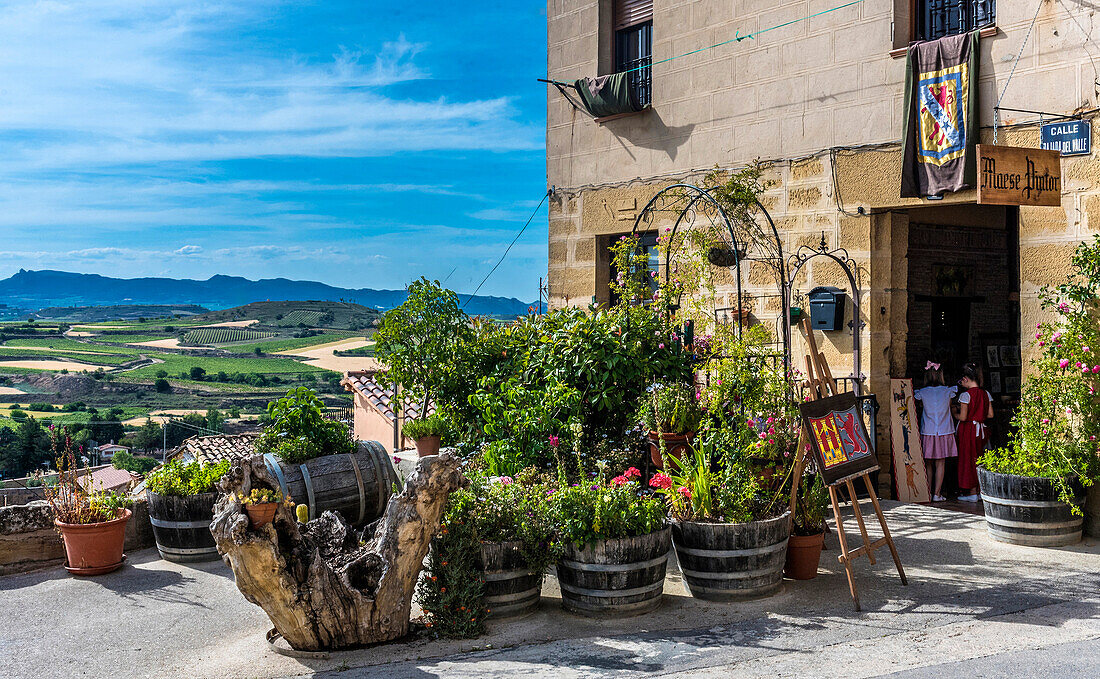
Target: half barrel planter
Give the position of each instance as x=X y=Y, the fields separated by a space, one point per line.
x=356 y=485
x=615 y=578
x=1025 y=510
x=724 y=561
x=512 y=589
x=181 y=526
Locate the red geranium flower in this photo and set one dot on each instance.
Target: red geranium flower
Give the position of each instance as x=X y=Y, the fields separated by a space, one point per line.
x=661 y=481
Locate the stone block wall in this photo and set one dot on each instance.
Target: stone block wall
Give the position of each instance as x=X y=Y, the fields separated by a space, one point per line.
x=29 y=541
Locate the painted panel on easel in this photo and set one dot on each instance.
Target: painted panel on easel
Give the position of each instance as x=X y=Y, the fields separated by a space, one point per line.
x=908 y=457
x=839 y=440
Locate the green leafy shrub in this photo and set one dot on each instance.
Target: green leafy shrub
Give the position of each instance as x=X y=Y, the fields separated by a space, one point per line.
x=192 y=478
x=133 y=463
x=672 y=409
x=499 y=509
x=432 y=425
x=1057 y=433
x=298 y=432
x=810 y=506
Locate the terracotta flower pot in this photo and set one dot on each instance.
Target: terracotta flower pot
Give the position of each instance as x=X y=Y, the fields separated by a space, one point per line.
x=803 y=555
x=676 y=444
x=261 y=514
x=94 y=548
x=428 y=445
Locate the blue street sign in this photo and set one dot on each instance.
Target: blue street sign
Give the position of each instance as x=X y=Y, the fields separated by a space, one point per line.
x=1071 y=137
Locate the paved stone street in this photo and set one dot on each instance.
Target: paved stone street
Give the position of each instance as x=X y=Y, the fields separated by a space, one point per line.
x=973 y=608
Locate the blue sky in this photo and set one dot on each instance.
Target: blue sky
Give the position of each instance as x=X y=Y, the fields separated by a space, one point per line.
x=361 y=144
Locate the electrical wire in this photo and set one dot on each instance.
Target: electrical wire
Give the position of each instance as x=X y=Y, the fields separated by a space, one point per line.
x=506 y=250
x=1012 y=72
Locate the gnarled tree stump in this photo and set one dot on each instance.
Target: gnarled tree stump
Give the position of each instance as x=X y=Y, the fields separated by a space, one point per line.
x=324 y=585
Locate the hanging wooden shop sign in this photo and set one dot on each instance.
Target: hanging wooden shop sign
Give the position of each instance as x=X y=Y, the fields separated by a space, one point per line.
x=1009 y=175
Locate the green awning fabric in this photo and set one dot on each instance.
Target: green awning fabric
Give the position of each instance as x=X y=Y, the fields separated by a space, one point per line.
x=607 y=95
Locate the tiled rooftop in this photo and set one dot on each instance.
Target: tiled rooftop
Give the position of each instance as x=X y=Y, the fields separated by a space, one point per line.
x=218 y=447
x=378 y=395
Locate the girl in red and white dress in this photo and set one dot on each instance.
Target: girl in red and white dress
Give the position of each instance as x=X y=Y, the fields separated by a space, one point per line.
x=975 y=407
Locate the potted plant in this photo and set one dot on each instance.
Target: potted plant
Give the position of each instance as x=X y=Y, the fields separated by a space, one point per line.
x=615 y=545
x=316 y=459
x=260 y=505
x=1032 y=489
x=729 y=529
x=92 y=523
x=671 y=413
x=181 y=506
x=807 y=530
x=495 y=545
x=426 y=433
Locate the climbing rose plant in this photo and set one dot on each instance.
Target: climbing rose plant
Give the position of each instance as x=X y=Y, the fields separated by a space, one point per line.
x=1058 y=423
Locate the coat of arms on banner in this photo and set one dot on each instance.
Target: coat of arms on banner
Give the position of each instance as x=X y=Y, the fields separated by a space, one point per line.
x=943 y=101
x=838 y=437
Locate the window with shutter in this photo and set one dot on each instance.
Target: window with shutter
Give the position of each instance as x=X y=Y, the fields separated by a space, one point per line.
x=632 y=21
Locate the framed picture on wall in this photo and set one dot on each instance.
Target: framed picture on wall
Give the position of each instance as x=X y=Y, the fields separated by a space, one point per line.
x=994 y=382
x=1010 y=355
x=1012 y=385
x=991 y=358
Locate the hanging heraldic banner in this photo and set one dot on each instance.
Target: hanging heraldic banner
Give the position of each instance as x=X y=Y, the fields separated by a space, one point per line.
x=1019 y=176
x=838 y=438
x=941 y=116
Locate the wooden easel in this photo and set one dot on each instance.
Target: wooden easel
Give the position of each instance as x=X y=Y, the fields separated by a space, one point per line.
x=821 y=384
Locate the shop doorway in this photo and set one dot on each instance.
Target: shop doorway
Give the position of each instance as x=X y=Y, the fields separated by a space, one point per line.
x=964 y=302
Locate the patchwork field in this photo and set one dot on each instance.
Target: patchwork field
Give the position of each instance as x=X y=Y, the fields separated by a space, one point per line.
x=174 y=364
x=222 y=335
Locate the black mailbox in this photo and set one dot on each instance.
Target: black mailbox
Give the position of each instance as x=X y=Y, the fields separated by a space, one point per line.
x=826 y=308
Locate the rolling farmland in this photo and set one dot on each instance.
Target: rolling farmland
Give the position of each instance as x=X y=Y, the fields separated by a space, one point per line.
x=207 y=336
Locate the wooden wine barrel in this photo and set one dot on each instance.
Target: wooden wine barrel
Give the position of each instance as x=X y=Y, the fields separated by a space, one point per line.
x=358 y=485
x=181 y=526
x=615 y=578
x=722 y=561
x=511 y=588
x=1025 y=510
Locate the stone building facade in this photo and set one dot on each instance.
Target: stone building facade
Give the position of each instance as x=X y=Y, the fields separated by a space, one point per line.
x=820 y=104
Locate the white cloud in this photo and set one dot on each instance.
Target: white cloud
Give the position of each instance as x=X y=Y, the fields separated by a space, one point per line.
x=189 y=250
x=100 y=83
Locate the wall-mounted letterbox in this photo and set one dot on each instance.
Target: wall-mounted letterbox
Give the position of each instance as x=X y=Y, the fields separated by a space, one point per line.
x=826 y=308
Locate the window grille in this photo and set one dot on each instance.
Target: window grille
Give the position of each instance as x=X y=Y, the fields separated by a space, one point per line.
x=939 y=18
x=633 y=25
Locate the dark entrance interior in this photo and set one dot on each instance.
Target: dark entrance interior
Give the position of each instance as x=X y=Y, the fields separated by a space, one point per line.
x=964 y=302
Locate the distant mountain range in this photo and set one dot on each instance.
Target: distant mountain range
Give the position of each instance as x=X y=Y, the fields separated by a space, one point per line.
x=39 y=289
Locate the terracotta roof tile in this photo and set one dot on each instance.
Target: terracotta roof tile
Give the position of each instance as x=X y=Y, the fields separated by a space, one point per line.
x=218 y=447
x=378 y=395
x=109 y=478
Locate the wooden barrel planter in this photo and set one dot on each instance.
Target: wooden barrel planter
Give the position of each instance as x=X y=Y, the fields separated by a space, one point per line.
x=181 y=526
x=615 y=578
x=511 y=588
x=722 y=561
x=1025 y=510
x=358 y=485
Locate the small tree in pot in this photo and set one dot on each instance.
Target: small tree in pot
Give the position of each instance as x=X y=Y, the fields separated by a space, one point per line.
x=807 y=529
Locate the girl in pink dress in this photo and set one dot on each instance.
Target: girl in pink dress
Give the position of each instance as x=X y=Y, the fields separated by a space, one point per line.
x=975 y=407
x=937 y=428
